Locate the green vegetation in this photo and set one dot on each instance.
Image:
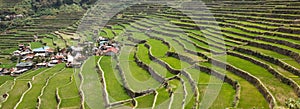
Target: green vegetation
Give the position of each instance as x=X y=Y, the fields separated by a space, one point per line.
x=48 y=99
x=3 y=79
x=38 y=83
x=108 y=33
x=28 y=75
x=161 y=52
x=138 y=78
x=112 y=78
x=69 y=98
x=34 y=45
x=4 y=88
x=90 y=84
x=247 y=90
x=15 y=94
x=145 y=101
x=281 y=91
x=142 y=54
x=260 y=37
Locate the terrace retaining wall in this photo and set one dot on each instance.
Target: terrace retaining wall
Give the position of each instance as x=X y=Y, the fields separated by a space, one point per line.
x=292 y=54
x=129 y=91
x=156 y=76
x=278 y=75
x=162 y=63
x=270 y=59
x=252 y=79
x=226 y=79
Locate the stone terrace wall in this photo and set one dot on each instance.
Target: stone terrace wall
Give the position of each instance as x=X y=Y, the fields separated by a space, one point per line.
x=278 y=75
x=252 y=79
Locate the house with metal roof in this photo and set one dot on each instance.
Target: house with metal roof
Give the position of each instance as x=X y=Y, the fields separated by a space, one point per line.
x=25 y=65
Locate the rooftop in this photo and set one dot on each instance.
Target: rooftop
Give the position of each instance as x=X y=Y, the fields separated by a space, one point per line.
x=24 y=64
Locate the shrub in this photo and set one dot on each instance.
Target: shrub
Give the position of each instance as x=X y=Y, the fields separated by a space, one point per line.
x=292 y=103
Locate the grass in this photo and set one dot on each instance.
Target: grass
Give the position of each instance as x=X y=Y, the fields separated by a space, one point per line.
x=90 y=84
x=253 y=24
x=30 y=74
x=8 y=65
x=48 y=99
x=117 y=92
x=175 y=46
x=69 y=95
x=34 y=45
x=139 y=35
x=139 y=73
x=145 y=101
x=30 y=98
x=255 y=35
x=284 y=58
x=225 y=97
x=190 y=46
x=264 y=30
x=175 y=63
x=48 y=42
x=190 y=96
x=4 y=88
x=178 y=94
x=9 y=50
x=138 y=79
x=3 y=79
x=207 y=84
x=262 y=42
x=163 y=99
x=15 y=94
x=278 y=68
x=117 y=27
x=161 y=52
x=70 y=103
x=280 y=91
x=142 y=54
x=118 y=32
x=108 y=33
x=247 y=90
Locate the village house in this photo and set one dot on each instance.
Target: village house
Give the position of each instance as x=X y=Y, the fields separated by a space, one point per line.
x=45 y=56
x=5 y=72
x=1 y=70
x=25 y=65
x=22 y=50
x=36 y=58
x=106 y=47
x=14 y=16
x=43 y=51
x=41 y=65
x=52 y=63
x=18 y=72
x=28 y=57
x=72 y=63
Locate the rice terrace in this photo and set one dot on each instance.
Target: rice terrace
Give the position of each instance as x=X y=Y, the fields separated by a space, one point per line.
x=149 y=54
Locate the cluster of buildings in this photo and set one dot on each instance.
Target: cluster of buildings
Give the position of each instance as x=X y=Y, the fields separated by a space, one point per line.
x=45 y=56
x=76 y=56
x=106 y=47
x=28 y=59
x=13 y=16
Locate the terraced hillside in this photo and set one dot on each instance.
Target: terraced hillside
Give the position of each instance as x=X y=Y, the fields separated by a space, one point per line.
x=55 y=31
x=240 y=54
